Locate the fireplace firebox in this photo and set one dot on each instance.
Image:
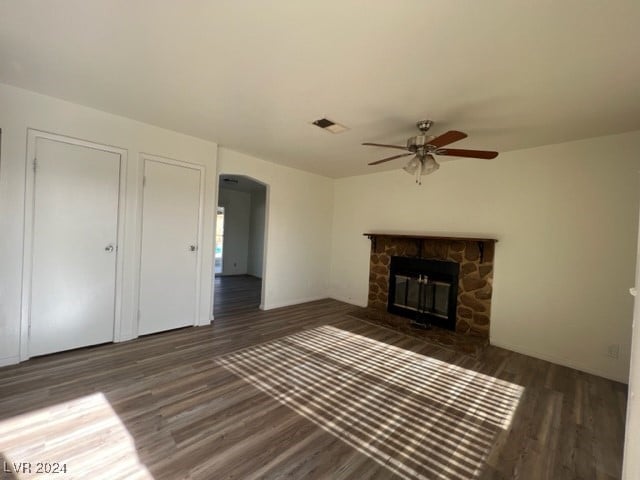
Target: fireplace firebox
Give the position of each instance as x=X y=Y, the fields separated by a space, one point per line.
x=424 y=290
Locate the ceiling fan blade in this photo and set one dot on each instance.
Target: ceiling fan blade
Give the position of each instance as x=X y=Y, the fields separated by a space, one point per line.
x=447 y=138
x=390 y=158
x=384 y=145
x=457 y=152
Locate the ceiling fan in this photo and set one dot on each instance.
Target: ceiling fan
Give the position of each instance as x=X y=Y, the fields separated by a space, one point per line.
x=424 y=147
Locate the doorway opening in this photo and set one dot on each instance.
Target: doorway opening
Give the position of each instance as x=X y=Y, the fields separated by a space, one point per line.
x=219 y=241
x=240 y=245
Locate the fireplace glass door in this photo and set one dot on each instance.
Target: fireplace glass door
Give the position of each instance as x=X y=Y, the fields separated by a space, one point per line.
x=423 y=295
x=424 y=290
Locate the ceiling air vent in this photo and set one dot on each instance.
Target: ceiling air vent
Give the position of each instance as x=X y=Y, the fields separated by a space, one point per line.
x=329 y=125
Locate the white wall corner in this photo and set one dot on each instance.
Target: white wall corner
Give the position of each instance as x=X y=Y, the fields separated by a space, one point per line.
x=559 y=361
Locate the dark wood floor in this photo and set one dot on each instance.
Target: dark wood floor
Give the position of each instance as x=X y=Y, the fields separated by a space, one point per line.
x=236 y=294
x=307 y=392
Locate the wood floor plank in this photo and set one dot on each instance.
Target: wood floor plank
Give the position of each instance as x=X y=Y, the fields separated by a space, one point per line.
x=307 y=392
x=236 y=294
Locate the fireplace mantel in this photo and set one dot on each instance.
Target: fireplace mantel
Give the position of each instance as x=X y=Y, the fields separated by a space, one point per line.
x=427 y=236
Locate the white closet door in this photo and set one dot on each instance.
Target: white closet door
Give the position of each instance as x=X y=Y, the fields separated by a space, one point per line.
x=75 y=225
x=168 y=270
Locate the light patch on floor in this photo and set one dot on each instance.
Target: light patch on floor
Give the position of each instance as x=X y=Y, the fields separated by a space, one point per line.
x=418 y=416
x=80 y=439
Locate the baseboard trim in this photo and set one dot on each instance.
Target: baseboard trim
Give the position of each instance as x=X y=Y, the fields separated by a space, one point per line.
x=348 y=300
x=557 y=360
x=6 y=361
x=289 y=303
x=236 y=275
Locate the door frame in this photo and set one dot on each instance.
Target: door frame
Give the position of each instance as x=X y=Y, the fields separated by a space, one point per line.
x=27 y=253
x=144 y=157
x=265 y=240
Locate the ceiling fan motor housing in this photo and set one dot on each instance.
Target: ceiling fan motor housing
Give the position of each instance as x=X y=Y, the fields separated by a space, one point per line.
x=415 y=143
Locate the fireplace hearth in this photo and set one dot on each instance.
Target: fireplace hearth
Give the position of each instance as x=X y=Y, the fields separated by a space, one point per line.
x=457 y=297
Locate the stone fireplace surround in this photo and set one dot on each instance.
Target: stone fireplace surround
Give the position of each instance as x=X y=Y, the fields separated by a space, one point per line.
x=475 y=256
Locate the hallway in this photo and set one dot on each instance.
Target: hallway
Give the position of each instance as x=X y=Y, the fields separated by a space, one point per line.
x=235 y=294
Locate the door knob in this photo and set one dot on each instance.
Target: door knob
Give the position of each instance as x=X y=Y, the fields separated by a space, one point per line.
x=193 y=248
x=108 y=248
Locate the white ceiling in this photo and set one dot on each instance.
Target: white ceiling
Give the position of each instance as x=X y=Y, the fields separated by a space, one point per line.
x=252 y=75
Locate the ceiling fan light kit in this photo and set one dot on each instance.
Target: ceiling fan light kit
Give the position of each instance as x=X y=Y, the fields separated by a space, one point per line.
x=429 y=165
x=424 y=147
x=421 y=166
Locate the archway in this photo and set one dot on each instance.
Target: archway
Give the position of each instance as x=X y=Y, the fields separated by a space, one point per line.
x=240 y=247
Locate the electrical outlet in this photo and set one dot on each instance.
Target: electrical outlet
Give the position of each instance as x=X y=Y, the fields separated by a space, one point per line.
x=613 y=350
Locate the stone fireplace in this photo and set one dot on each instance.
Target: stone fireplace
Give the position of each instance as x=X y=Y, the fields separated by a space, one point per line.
x=467 y=307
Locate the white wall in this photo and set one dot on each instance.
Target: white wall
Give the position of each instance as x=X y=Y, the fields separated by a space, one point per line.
x=566 y=217
x=299 y=211
x=19 y=110
x=237 y=215
x=631 y=464
x=256 y=234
